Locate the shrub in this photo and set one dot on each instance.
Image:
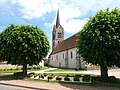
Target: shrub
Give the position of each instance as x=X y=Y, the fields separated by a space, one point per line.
x=58 y=78
x=11 y=69
x=34 y=67
x=1 y=69
x=78 y=75
x=18 y=74
x=50 y=77
x=51 y=74
x=45 y=74
x=67 y=78
x=35 y=75
x=41 y=76
x=30 y=74
x=38 y=67
x=112 y=79
x=29 y=67
x=18 y=68
x=86 y=78
x=5 y=69
x=76 y=78
x=76 y=69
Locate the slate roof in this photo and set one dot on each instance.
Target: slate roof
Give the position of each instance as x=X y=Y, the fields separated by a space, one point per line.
x=68 y=43
x=58 y=19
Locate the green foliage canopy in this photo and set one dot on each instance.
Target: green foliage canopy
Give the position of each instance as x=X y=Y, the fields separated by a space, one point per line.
x=23 y=45
x=99 y=40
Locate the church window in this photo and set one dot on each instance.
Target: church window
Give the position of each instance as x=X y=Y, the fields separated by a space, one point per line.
x=77 y=52
x=52 y=57
x=56 y=57
x=66 y=55
x=59 y=27
x=71 y=55
x=63 y=55
x=53 y=36
x=59 y=35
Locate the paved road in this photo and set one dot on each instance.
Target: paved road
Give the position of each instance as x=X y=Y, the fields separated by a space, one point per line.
x=8 y=87
x=111 y=72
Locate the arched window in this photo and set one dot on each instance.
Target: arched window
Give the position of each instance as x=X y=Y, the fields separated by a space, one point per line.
x=71 y=55
x=56 y=57
x=63 y=55
x=59 y=35
x=52 y=57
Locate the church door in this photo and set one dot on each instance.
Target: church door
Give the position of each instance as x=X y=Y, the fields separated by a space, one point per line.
x=59 y=64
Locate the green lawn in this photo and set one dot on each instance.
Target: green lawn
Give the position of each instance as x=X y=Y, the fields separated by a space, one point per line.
x=64 y=70
x=9 y=71
x=3 y=71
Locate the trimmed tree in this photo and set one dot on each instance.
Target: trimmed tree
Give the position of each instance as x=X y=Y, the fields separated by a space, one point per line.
x=99 y=40
x=23 y=45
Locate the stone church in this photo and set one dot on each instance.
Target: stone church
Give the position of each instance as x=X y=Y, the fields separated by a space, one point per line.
x=64 y=52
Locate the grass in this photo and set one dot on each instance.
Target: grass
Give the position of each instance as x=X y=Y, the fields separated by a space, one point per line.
x=6 y=71
x=64 y=70
x=9 y=71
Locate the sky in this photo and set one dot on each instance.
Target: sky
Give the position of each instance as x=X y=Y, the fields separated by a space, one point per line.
x=42 y=13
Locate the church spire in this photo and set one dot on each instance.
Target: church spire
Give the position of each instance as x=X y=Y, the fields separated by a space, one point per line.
x=58 y=32
x=58 y=19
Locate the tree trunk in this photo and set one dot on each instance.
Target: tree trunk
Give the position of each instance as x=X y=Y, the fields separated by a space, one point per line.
x=104 y=72
x=24 y=70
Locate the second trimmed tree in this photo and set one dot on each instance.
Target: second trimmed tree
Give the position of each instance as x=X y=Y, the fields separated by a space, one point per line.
x=99 y=40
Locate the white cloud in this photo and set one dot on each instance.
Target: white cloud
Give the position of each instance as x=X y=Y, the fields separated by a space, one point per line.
x=13 y=1
x=48 y=25
x=68 y=16
x=74 y=25
x=36 y=8
x=50 y=45
x=3 y=1
x=70 y=10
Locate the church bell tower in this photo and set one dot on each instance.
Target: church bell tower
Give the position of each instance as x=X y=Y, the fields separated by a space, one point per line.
x=57 y=33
